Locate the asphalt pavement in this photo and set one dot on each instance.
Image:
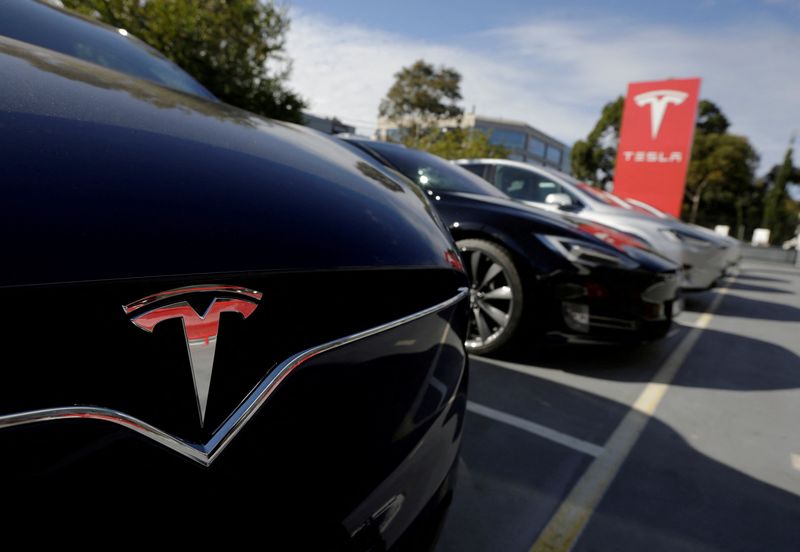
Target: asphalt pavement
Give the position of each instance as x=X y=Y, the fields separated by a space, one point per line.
x=688 y=443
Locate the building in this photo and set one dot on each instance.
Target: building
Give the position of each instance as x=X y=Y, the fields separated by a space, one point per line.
x=328 y=126
x=524 y=142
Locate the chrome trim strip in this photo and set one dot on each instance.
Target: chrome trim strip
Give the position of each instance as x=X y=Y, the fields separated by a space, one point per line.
x=205 y=454
x=190 y=450
x=145 y=301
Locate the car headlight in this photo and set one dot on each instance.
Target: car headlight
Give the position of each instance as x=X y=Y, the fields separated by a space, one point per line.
x=584 y=254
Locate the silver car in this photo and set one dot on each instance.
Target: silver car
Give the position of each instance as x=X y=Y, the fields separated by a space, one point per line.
x=703 y=256
x=734 y=245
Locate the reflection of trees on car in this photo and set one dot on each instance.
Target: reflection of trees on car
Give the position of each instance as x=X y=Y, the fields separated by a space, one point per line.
x=371 y=172
x=235 y=49
x=164 y=98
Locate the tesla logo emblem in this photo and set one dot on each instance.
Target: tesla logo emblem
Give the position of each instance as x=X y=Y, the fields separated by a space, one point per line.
x=658 y=100
x=200 y=330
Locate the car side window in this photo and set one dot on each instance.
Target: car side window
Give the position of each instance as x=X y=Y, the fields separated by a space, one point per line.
x=525 y=185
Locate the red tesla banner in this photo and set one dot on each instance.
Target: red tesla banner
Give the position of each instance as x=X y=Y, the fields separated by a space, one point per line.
x=656 y=141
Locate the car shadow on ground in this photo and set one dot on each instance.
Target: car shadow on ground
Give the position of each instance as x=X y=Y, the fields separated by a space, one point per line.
x=667 y=496
x=780 y=272
x=744 y=307
x=750 y=287
x=621 y=362
x=731 y=358
x=731 y=355
x=747 y=276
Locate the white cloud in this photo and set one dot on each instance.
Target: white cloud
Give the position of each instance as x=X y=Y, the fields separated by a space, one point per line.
x=556 y=74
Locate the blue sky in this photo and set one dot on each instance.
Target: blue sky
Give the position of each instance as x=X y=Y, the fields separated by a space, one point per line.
x=554 y=64
x=437 y=20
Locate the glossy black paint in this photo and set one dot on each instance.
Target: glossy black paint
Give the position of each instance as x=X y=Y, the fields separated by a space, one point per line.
x=549 y=278
x=114 y=189
x=217 y=188
x=35 y=22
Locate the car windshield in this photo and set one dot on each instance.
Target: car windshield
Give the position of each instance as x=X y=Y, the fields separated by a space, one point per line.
x=432 y=172
x=70 y=34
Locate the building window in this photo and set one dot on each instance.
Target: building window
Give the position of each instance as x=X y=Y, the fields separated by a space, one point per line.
x=554 y=155
x=535 y=147
x=507 y=138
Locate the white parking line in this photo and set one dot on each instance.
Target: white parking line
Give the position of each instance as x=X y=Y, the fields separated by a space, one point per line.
x=531 y=427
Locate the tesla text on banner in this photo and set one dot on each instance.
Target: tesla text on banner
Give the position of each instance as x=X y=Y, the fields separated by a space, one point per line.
x=656 y=141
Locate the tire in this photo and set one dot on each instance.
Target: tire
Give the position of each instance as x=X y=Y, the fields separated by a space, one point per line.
x=656 y=330
x=495 y=295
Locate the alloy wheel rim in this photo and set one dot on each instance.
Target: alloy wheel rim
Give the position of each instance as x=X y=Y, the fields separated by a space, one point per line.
x=491 y=299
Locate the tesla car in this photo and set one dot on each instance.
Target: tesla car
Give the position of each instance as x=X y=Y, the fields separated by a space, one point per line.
x=216 y=322
x=535 y=272
x=734 y=251
x=702 y=257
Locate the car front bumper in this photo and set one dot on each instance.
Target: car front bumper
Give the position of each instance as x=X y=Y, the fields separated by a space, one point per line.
x=616 y=306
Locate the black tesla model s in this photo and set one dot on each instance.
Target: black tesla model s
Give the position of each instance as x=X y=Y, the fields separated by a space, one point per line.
x=533 y=271
x=216 y=322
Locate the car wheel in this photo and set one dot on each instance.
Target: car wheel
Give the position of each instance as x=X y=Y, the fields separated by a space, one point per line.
x=495 y=298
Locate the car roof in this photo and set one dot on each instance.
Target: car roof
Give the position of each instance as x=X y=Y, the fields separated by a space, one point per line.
x=535 y=167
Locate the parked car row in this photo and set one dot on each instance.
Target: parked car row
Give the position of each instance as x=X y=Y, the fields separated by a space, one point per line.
x=535 y=272
x=703 y=255
x=212 y=305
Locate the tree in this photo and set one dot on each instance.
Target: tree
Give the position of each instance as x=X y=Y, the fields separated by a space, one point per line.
x=720 y=173
x=780 y=212
x=593 y=159
x=420 y=97
x=750 y=207
x=423 y=103
x=235 y=48
x=710 y=118
x=460 y=143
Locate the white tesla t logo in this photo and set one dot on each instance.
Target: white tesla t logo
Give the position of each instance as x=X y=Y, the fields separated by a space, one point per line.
x=658 y=100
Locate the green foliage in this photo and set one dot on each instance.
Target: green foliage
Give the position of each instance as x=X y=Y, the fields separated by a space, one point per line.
x=235 y=48
x=593 y=159
x=750 y=208
x=780 y=211
x=421 y=96
x=720 y=174
x=710 y=118
x=458 y=143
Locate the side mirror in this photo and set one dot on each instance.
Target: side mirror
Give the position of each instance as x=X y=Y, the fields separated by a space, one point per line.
x=563 y=201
